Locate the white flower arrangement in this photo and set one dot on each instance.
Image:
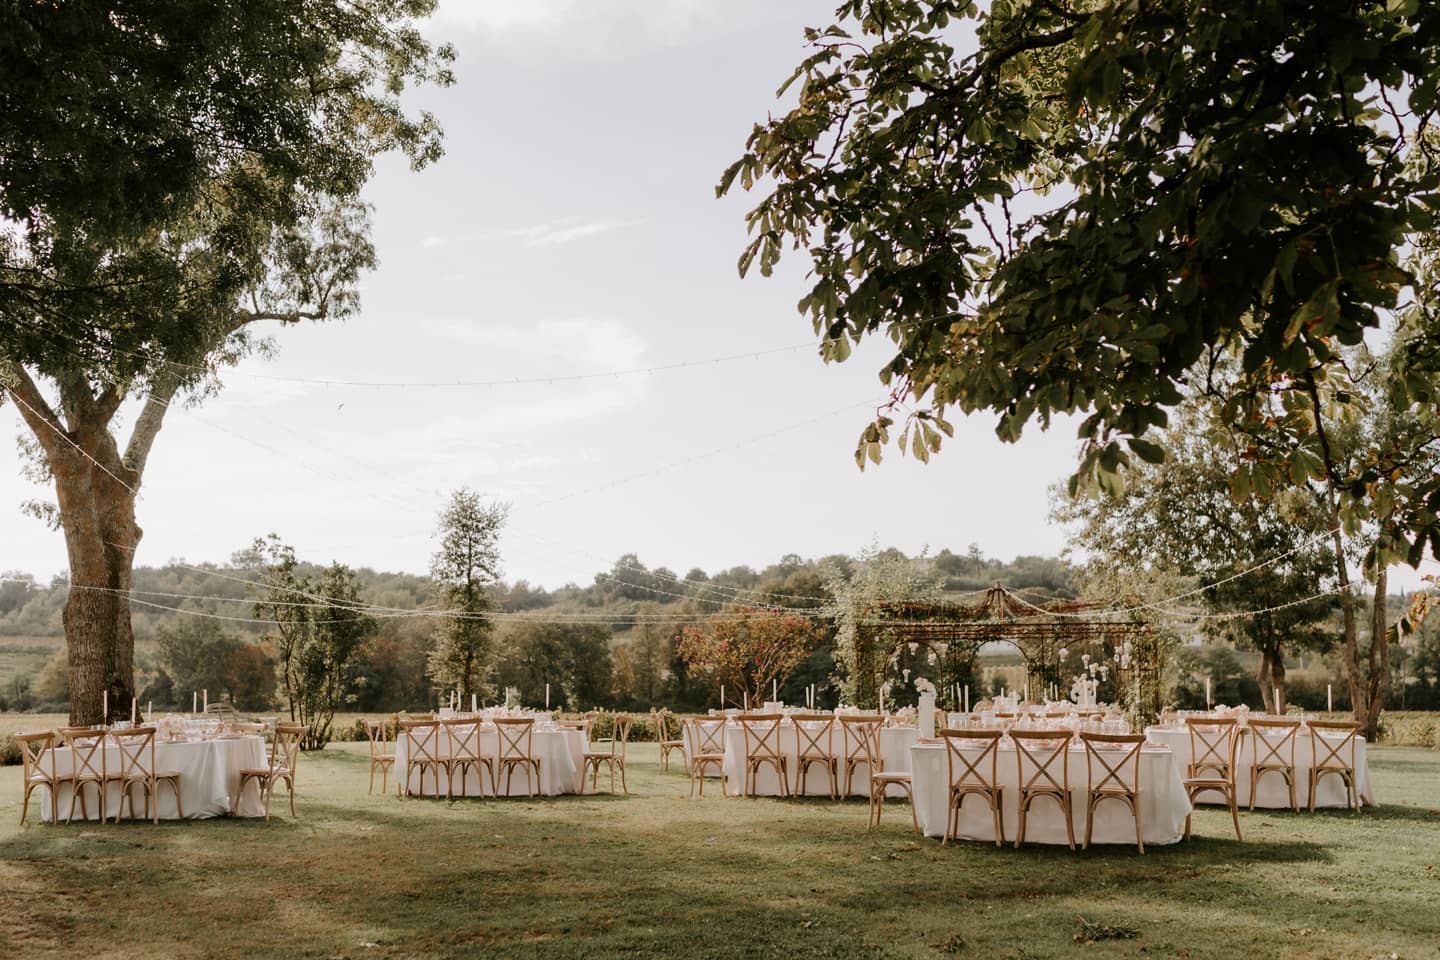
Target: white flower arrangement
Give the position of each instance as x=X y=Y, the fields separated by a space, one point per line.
x=924 y=686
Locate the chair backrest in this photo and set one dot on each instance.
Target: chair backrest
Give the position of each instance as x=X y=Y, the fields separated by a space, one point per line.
x=378 y=733
x=422 y=740
x=515 y=737
x=463 y=737
x=966 y=753
x=861 y=736
x=1212 y=743
x=1035 y=754
x=1113 y=760
x=620 y=734
x=249 y=728
x=662 y=726
x=35 y=750
x=762 y=734
x=285 y=751
x=87 y=751
x=1329 y=740
x=1274 y=740
x=706 y=735
x=813 y=733
x=137 y=752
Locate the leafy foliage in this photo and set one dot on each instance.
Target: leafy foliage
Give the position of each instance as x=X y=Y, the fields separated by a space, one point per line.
x=463 y=569
x=1088 y=212
x=319 y=635
x=747 y=648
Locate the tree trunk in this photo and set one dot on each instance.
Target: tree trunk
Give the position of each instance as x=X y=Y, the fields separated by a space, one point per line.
x=98 y=517
x=1262 y=677
x=1277 y=681
x=95 y=489
x=1377 y=683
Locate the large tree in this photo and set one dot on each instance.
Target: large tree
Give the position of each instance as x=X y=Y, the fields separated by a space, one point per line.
x=112 y=313
x=1103 y=201
x=1268 y=566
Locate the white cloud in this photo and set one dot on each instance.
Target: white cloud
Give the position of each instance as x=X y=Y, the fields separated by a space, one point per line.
x=561 y=230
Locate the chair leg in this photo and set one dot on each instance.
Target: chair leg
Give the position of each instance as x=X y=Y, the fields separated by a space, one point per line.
x=999 y=812
x=1254 y=782
x=1020 y=837
x=1090 y=806
x=290 y=790
x=371 y=789
x=623 y=785
x=1235 y=816
x=1314 y=783
x=1069 y=820
x=1290 y=782
x=1139 y=834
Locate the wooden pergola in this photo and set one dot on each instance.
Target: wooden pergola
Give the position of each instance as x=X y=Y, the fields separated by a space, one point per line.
x=944 y=638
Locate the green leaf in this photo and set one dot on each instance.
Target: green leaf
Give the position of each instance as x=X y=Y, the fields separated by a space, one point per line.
x=1147 y=451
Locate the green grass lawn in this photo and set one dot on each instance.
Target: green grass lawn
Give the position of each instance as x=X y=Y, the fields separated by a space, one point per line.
x=657 y=875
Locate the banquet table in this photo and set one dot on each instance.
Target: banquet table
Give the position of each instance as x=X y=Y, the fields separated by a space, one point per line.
x=895 y=743
x=209 y=777
x=1163 y=804
x=561 y=752
x=1271 y=791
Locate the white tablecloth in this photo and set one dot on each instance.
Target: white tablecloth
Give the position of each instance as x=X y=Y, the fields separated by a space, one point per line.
x=1271 y=791
x=895 y=745
x=1163 y=804
x=209 y=776
x=561 y=753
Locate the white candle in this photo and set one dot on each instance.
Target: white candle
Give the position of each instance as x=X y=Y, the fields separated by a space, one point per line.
x=149 y=709
x=132 y=711
x=1329 y=698
x=547 y=696
x=194 y=702
x=207 y=699
x=722 y=696
x=1275 y=697
x=475 y=703
x=967 y=698
x=1027 y=693
x=882 y=703
x=745 y=705
x=1207 y=693
x=774 y=689
x=105 y=704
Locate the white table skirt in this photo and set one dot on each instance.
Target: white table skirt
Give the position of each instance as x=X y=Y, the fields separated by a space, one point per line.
x=1163 y=804
x=561 y=753
x=895 y=743
x=209 y=776
x=1271 y=791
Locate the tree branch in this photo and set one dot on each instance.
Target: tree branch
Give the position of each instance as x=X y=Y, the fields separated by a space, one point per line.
x=36 y=412
x=147 y=426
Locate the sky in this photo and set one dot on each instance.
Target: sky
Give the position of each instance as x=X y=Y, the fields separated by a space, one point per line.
x=571 y=232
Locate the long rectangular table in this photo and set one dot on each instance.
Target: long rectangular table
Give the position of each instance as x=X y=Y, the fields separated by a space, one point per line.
x=561 y=752
x=209 y=777
x=1271 y=792
x=1163 y=804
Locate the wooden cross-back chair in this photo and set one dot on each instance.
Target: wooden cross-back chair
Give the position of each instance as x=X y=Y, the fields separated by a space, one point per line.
x=857 y=731
x=663 y=739
x=814 y=734
x=516 y=738
x=705 y=747
x=382 y=757
x=1273 y=742
x=1036 y=755
x=423 y=746
x=1329 y=742
x=136 y=748
x=881 y=780
x=37 y=762
x=1112 y=761
x=968 y=754
x=87 y=769
x=761 y=732
x=462 y=736
x=1213 y=742
x=613 y=756
x=284 y=758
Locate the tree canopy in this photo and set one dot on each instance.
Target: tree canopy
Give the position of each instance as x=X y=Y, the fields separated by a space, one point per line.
x=1102 y=201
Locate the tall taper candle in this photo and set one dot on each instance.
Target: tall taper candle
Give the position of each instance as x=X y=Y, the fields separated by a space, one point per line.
x=547 y=696
x=774 y=689
x=722 y=696
x=194 y=701
x=745 y=704
x=132 y=711
x=475 y=705
x=207 y=699
x=1329 y=698
x=105 y=704
x=1275 y=698
x=1207 y=693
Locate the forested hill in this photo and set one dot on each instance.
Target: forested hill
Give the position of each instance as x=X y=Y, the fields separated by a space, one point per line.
x=164 y=594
